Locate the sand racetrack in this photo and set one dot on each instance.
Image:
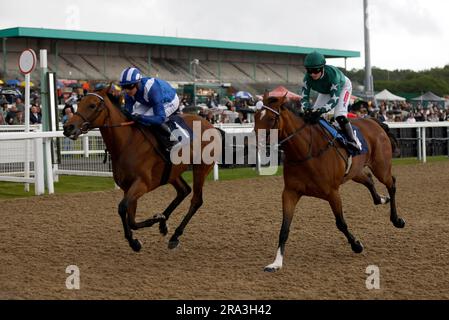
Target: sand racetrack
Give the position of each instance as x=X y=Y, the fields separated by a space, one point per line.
x=228 y=242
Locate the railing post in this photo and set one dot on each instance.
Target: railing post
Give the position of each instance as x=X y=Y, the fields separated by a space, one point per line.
x=86 y=146
x=49 y=166
x=447 y=136
x=216 y=176
x=27 y=162
x=424 y=151
x=55 y=173
x=39 y=185
x=419 y=143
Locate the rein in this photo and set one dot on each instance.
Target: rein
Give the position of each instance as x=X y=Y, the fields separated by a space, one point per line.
x=86 y=125
x=278 y=114
x=330 y=142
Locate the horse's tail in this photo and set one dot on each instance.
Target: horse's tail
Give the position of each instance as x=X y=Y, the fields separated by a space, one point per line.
x=394 y=142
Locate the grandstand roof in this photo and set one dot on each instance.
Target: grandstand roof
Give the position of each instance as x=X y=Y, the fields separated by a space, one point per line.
x=22 y=32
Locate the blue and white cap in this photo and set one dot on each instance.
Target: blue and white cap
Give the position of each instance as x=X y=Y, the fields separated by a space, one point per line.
x=130 y=75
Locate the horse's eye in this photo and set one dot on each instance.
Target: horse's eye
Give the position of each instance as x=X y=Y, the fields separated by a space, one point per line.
x=92 y=106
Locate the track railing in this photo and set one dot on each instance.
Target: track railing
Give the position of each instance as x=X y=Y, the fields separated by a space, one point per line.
x=88 y=152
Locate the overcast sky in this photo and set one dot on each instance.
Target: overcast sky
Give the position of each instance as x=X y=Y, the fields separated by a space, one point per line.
x=405 y=34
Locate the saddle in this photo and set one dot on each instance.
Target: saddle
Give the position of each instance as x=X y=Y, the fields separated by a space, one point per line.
x=339 y=135
x=163 y=135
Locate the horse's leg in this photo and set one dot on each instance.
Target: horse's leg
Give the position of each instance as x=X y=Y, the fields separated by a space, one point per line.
x=183 y=190
x=367 y=180
x=289 y=200
x=385 y=177
x=124 y=208
x=397 y=221
x=200 y=173
x=127 y=211
x=337 y=209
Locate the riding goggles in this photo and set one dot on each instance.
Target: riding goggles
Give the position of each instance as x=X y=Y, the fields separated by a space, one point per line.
x=128 y=86
x=314 y=70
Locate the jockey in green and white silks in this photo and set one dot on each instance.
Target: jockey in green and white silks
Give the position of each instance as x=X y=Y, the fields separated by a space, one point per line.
x=334 y=92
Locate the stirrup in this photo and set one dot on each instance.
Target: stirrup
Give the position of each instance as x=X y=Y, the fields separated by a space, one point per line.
x=170 y=145
x=354 y=145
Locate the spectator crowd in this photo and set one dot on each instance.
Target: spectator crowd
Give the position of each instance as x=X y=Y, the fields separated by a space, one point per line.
x=237 y=110
x=14 y=114
x=400 y=111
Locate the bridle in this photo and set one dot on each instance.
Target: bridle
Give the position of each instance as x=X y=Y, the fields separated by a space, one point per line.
x=297 y=131
x=99 y=108
x=276 y=120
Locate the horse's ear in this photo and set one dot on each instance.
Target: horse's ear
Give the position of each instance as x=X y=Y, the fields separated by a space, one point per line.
x=283 y=101
x=265 y=96
x=106 y=89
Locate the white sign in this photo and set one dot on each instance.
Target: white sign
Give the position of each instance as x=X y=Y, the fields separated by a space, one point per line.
x=27 y=61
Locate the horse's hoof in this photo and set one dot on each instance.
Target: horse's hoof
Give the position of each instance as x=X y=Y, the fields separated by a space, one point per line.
x=271 y=269
x=357 y=246
x=173 y=244
x=399 y=223
x=136 y=245
x=163 y=229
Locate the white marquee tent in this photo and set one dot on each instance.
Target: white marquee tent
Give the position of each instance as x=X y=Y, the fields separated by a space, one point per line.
x=386 y=95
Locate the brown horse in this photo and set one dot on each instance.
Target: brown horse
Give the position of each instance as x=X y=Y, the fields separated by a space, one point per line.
x=138 y=167
x=316 y=166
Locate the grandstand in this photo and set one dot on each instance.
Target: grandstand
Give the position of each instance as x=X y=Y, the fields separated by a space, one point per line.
x=98 y=56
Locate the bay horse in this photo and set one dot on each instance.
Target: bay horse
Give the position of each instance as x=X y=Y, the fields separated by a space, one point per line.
x=315 y=166
x=138 y=167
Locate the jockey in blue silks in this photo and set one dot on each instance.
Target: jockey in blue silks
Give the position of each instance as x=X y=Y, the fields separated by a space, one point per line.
x=150 y=101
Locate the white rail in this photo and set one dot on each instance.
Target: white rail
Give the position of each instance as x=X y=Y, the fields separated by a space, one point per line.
x=44 y=171
x=421 y=130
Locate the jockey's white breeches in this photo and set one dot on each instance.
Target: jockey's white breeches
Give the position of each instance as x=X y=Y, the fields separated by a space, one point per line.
x=341 y=109
x=169 y=107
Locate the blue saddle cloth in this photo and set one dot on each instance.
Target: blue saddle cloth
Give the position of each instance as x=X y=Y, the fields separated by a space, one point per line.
x=342 y=138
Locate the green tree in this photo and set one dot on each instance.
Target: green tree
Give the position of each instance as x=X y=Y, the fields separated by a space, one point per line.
x=406 y=81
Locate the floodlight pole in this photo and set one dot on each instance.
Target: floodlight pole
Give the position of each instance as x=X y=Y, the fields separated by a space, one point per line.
x=369 y=86
x=195 y=63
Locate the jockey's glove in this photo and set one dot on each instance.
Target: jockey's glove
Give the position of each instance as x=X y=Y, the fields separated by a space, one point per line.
x=307 y=107
x=135 y=117
x=127 y=114
x=322 y=110
x=312 y=116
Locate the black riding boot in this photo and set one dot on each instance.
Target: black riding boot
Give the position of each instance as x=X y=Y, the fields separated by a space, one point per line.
x=169 y=139
x=346 y=127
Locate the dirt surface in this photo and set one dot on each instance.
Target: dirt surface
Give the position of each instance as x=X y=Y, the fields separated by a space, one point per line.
x=227 y=244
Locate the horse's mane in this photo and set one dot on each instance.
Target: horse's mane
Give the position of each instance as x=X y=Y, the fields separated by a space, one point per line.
x=117 y=102
x=287 y=104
